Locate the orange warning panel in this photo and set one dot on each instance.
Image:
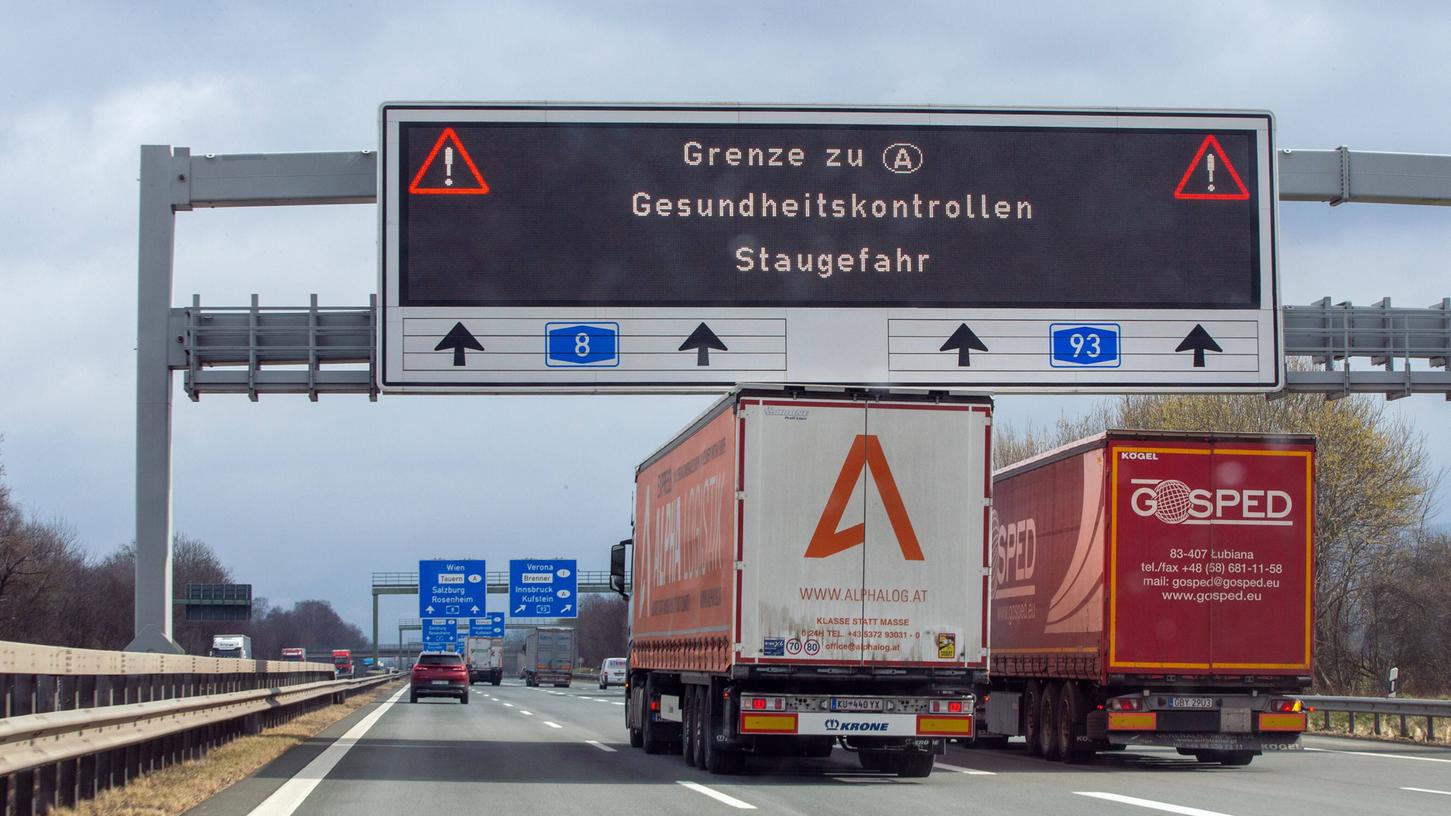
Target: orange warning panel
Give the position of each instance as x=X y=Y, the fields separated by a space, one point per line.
x=448 y=170
x=1211 y=176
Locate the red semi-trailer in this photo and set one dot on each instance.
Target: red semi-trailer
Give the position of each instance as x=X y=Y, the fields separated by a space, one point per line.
x=811 y=568
x=1153 y=588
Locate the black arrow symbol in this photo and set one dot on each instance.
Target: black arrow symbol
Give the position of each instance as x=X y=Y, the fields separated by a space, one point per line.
x=458 y=339
x=702 y=340
x=1198 y=341
x=963 y=341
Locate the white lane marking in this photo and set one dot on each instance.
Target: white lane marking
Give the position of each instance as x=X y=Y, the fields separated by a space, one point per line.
x=510 y=705
x=1150 y=804
x=1375 y=754
x=287 y=798
x=960 y=769
x=615 y=703
x=601 y=746
x=585 y=698
x=552 y=724
x=1428 y=790
x=716 y=795
x=526 y=713
x=605 y=701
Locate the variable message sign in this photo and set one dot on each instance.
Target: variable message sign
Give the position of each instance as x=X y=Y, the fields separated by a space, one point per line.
x=585 y=248
x=543 y=588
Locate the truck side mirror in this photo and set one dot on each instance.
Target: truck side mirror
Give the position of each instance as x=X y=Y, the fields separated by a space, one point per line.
x=617 y=567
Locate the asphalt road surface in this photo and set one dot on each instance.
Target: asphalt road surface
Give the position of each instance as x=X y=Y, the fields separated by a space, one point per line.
x=518 y=750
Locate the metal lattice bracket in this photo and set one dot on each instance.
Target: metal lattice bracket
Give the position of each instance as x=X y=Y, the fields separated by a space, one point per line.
x=308 y=350
x=1390 y=338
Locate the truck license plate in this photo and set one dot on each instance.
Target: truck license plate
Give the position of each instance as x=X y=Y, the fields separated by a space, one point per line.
x=1191 y=702
x=855 y=704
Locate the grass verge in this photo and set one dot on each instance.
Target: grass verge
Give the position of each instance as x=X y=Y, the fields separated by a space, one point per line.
x=181 y=787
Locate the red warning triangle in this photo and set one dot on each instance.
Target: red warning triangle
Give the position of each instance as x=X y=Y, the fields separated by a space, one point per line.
x=1210 y=176
x=449 y=178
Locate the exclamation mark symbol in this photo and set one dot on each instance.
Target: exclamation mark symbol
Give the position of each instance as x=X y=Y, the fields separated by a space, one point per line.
x=1209 y=159
x=448 y=168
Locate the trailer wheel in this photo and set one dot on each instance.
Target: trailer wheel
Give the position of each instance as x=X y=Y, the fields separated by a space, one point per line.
x=1048 y=722
x=714 y=758
x=687 y=726
x=702 y=731
x=913 y=764
x=1032 y=723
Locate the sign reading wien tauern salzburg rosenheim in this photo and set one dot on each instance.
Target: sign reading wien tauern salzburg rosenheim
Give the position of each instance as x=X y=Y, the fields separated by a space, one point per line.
x=667 y=248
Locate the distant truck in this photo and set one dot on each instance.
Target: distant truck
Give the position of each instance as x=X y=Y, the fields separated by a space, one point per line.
x=343 y=662
x=549 y=656
x=811 y=568
x=485 y=657
x=1153 y=588
x=238 y=646
x=294 y=654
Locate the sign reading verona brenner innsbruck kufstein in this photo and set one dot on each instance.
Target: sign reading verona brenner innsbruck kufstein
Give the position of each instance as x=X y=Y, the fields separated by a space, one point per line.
x=589 y=248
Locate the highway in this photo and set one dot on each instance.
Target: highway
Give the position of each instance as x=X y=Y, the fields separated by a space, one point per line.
x=525 y=750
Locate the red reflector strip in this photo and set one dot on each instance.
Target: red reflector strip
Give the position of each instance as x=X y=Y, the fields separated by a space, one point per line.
x=752 y=723
x=937 y=725
x=1132 y=720
x=1282 y=722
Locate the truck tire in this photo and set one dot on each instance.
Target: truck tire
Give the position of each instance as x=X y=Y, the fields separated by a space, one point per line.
x=1048 y=722
x=637 y=737
x=1032 y=701
x=687 y=726
x=655 y=740
x=714 y=758
x=913 y=764
x=872 y=760
x=701 y=731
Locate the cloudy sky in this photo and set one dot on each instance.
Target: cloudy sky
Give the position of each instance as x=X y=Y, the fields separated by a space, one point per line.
x=305 y=500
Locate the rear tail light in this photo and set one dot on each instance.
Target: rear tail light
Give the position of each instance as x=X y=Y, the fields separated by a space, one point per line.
x=1125 y=704
x=655 y=705
x=1287 y=706
x=949 y=706
x=764 y=703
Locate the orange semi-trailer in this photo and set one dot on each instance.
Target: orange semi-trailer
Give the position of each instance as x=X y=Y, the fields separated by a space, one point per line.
x=799 y=570
x=1153 y=588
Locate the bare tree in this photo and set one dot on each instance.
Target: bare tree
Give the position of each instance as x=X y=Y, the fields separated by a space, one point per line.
x=601 y=628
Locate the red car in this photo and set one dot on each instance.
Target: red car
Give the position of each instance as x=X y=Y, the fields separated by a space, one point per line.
x=440 y=674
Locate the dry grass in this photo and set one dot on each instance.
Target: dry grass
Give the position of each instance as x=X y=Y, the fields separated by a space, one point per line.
x=181 y=787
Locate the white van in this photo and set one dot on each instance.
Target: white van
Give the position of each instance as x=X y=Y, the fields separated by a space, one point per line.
x=612 y=672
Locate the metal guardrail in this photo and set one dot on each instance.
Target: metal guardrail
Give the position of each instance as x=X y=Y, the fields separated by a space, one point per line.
x=79 y=721
x=1402 y=709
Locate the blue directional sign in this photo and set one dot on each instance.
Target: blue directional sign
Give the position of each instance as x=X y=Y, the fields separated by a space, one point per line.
x=453 y=588
x=491 y=625
x=1084 y=345
x=440 y=634
x=543 y=588
x=572 y=345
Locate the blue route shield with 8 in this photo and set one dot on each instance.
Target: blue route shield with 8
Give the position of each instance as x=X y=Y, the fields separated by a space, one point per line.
x=571 y=345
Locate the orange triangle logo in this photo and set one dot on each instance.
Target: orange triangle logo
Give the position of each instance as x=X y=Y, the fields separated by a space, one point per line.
x=449 y=179
x=1210 y=176
x=866 y=452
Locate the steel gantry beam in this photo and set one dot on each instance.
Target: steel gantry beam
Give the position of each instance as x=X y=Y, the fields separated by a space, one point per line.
x=317 y=350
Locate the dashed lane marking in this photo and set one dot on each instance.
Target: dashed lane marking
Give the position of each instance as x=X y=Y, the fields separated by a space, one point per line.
x=959 y=769
x=526 y=713
x=1150 y=804
x=601 y=746
x=716 y=795
x=1379 y=755
x=552 y=724
x=1428 y=790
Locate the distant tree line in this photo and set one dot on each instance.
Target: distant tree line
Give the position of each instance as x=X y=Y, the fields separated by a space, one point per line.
x=53 y=592
x=1381 y=575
